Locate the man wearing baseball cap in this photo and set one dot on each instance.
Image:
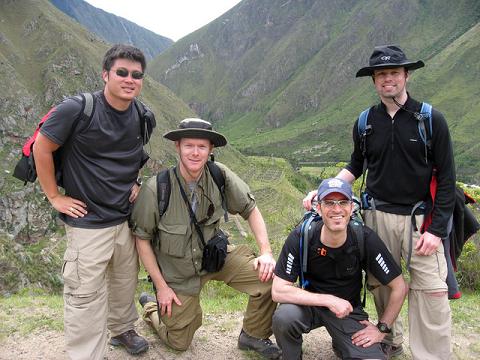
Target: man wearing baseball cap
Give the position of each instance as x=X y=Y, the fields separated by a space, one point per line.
x=192 y=217
x=334 y=274
x=400 y=164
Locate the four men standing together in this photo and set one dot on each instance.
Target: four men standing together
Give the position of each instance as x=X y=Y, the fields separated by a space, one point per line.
x=101 y=165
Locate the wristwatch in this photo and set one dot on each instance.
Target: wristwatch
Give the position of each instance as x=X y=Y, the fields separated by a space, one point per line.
x=383 y=328
x=139 y=181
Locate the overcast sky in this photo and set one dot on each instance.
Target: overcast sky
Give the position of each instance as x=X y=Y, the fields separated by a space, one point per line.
x=171 y=18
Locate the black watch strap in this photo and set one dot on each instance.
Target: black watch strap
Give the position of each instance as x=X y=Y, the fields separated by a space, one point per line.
x=383 y=328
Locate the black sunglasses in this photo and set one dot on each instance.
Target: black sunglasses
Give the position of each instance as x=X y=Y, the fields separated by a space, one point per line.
x=210 y=210
x=122 y=72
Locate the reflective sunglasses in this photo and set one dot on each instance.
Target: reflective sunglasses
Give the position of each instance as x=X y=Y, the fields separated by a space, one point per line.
x=331 y=203
x=122 y=72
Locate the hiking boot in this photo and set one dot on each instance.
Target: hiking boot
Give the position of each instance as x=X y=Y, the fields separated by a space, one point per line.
x=391 y=351
x=145 y=298
x=133 y=343
x=264 y=347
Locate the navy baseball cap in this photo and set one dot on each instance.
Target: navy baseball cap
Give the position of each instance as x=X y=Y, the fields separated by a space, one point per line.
x=334 y=185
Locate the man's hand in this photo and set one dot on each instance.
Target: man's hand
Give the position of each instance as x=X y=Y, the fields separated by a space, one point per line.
x=427 y=244
x=265 y=264
x=165 y=296
x=340 y=307
x=307 y=200
x=368 y=336
x=134 y=193
x=69 y=206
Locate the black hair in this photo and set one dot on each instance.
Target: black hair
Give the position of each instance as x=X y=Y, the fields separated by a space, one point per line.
x=123 y=51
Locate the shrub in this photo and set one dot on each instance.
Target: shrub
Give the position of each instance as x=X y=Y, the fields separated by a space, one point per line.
x=468 y=274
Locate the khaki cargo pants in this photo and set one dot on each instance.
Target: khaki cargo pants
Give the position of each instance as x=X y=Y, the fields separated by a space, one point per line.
x=429 y=314
x=178 y=330
x=100 y=273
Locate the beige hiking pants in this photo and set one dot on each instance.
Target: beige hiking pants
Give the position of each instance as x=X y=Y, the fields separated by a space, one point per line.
x=429 y=314
x=177 y=331
x=100 y=275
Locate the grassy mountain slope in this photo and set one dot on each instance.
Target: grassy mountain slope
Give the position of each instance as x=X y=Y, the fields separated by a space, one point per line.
x=44 y=56
x=112 y=28
x=278 y=77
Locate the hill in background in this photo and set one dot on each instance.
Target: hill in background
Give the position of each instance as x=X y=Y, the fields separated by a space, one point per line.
x=278 y=77
x=114 y=29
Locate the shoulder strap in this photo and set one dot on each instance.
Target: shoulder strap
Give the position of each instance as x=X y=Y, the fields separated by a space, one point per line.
x=305 y=235
x=147 y=120
x=359 y=236
x=163 y=190
x=363 y=130
x=426 y=114
x=219 y=180
x=362 y=122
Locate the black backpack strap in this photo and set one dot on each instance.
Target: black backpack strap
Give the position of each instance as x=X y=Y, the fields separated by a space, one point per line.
x=163 y=191
x=219 y=180
x=147 y=120
x=359 y=236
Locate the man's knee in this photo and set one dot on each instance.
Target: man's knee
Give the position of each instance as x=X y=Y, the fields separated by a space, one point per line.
x=284 y=317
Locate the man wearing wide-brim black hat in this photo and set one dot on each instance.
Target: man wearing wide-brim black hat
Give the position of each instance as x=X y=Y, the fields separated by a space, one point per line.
x=171 y=241
x=400 y=166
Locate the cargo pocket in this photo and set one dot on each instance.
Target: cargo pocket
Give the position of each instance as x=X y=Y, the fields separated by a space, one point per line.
x=70 y=269
x=172 y=239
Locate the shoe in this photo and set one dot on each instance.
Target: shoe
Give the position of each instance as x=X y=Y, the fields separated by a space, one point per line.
x=133 y=343
x=264 y=347
x=145 y=298
x=390 y=350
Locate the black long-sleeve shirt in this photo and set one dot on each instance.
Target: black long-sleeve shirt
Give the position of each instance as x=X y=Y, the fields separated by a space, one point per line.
x=397 y=170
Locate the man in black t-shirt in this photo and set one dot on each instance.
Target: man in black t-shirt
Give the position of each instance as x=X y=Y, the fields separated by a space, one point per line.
x=101 y=162
x=334 y=274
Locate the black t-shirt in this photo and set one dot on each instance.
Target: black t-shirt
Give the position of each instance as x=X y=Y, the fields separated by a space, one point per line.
x=336 y=271
x=101 y=158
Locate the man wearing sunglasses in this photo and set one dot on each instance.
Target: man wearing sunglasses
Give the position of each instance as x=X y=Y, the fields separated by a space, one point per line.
x=100 y=170
x=334 y=274
x=174 y=262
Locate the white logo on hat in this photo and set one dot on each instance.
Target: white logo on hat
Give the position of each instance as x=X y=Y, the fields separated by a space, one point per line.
x=335 y=183
x=385 y=58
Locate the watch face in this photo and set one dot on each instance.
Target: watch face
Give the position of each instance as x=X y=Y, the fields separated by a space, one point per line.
x=382 y=327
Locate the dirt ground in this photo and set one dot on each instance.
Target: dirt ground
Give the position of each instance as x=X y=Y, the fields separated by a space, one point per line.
x=216 y=339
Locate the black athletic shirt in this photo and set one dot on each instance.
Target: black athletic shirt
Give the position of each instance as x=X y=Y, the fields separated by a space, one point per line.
x=336 y=271
x=101 y=160
x=397 y=171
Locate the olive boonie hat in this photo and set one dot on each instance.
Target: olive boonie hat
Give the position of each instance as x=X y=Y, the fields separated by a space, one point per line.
x=388 y=56
x=197 y=129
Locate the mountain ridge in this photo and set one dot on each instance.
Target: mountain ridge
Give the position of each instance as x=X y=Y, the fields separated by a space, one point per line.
x=263 y=67
x=113 y=28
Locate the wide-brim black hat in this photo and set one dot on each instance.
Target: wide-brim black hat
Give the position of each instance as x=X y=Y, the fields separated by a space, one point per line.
x=196 y=129
x=388 y=56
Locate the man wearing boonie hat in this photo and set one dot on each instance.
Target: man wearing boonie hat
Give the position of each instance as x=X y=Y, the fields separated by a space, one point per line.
x=400 y=167
x=175 y=262
x=334 y=274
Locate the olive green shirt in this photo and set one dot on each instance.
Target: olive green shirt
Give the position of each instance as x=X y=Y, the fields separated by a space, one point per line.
x=179 y=249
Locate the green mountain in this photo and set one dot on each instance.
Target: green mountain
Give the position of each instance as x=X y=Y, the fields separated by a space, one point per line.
x=44 y=56
x=278 y=77
x=114 y=29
